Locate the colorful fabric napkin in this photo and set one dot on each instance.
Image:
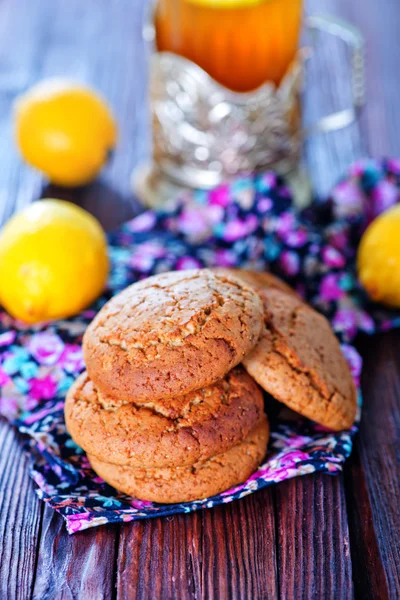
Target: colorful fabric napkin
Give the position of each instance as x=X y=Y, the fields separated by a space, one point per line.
x=252 y=223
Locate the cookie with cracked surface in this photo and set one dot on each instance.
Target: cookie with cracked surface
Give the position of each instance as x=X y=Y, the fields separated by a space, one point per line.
x=298 y=360
x=185 y=484
x=258 y=279
x=170 y=334
x=205 y=422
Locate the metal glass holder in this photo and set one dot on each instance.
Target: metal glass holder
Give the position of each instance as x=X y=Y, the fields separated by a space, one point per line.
x=205 y=134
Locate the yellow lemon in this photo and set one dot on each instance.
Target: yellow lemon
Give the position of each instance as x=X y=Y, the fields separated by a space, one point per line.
x=53 y=261
x=378 y=258
x=65 y=130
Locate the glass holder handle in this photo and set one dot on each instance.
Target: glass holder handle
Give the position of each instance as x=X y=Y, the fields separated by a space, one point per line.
x=355 y=41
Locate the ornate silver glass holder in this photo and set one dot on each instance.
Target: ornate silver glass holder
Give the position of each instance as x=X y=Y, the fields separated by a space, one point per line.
x=205 y=134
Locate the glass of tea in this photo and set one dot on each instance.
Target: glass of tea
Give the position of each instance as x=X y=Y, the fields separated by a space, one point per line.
x=226 y=79
x=239 y=43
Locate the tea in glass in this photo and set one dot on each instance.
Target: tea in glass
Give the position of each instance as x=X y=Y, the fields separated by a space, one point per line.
x=239 y=43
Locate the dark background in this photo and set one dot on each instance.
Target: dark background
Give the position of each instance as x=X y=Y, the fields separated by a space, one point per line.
x=313 y=537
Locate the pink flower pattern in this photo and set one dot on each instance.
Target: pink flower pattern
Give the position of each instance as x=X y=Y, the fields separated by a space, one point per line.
x=46 y=348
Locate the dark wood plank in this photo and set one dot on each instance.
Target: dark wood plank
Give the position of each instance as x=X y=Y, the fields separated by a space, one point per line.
x=379 y=450
x=239 y=549
x=78 y=566
x=20 y=512
x=368 y=568
x=373 y=476
x=227 y=552
x=313 y=539
x=160 y=558
x=18 y=69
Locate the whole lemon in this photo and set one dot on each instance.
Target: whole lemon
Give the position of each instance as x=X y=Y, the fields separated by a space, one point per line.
x=53 y=261
x=378 y=259
x=65 y=130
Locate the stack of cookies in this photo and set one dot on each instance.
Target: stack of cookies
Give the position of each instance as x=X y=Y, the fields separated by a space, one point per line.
x=165 y=411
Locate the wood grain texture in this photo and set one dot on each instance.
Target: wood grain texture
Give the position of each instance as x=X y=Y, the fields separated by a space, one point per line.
x=239 y=550
x=20 y=514
x=313 y=539
x=160 y=558
x=378 y=447
x=288 y=542
x=368 y=569
x=213 y=554
x=70 y=567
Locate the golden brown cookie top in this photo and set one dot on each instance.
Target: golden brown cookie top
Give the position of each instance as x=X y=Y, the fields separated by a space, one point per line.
x=298 y=360
x=171 y=333
x=257 y=279
x=195 y=427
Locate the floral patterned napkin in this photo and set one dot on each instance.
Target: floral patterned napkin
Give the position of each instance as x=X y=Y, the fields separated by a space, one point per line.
x=250 y=223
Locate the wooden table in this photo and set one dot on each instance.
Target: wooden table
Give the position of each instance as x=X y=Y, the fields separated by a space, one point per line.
x=313 y=537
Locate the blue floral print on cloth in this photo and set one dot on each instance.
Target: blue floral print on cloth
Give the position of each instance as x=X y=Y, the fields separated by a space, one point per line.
x=249 y=223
